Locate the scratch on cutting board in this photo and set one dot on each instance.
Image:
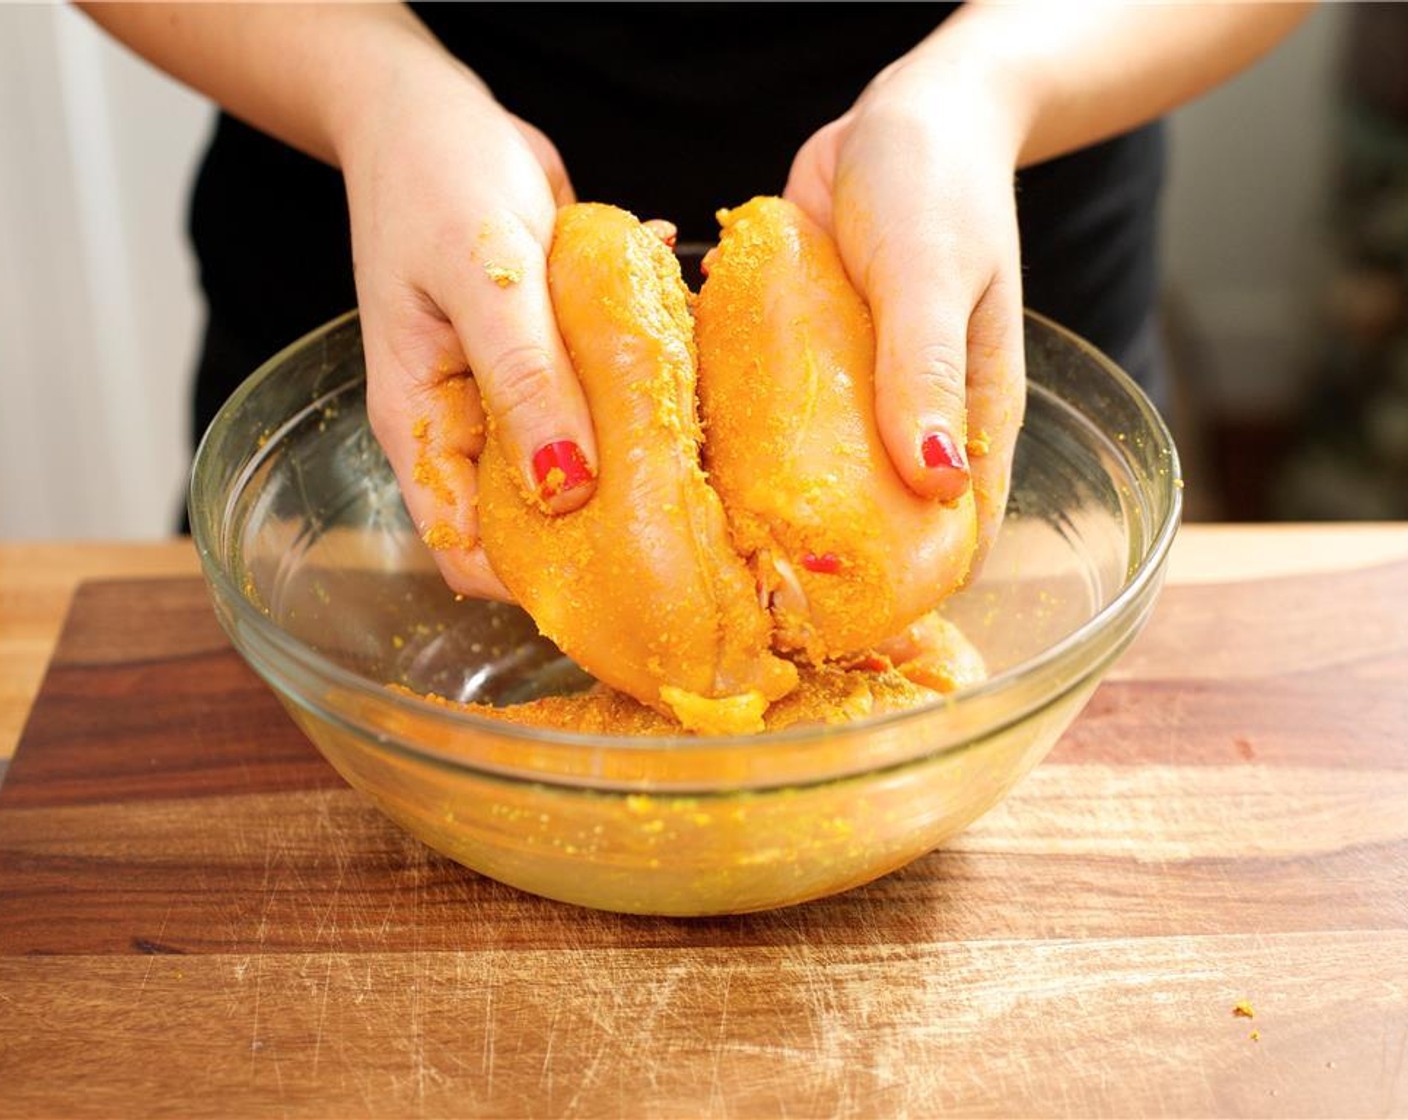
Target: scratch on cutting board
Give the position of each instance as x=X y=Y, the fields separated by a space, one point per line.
x=1390 y=1082
x=605 y=1017
x=546 y=1078
x=718 y=1100
x=322 y=1016
x=151 y=960
x=663 y=998
x=589 y=1075
x=329 y=915
x=271 y=853
x=486 y=1058
x=257 y=1046
x=418 y=980
x=423 y=1070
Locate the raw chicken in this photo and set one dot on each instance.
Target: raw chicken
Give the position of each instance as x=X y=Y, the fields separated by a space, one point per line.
x=846 y=554
x=641 y=586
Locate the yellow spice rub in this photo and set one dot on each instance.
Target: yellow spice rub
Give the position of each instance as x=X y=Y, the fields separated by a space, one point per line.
x=930 y=659
x=826 y=694
x=848 y=554
x=641 y=586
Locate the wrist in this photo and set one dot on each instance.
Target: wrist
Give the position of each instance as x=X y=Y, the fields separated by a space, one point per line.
x=983 y=59
x=972 y=90
x=390 y=67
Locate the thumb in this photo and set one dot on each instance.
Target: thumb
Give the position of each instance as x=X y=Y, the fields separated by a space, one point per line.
x=811 y=180
x=921 y=312
x=549 y=159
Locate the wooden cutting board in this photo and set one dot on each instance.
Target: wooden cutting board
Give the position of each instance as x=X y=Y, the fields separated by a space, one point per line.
x=198 y=917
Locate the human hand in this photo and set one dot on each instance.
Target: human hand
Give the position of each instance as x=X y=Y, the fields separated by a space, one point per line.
x=916 y=185
x=452 y=203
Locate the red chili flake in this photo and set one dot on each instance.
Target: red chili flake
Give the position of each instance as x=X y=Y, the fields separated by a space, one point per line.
x=827 y=564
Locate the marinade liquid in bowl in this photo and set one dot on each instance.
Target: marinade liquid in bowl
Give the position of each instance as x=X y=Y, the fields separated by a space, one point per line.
x=325 y=588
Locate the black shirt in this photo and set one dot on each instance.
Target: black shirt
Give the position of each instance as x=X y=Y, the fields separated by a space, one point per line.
x=670 y=110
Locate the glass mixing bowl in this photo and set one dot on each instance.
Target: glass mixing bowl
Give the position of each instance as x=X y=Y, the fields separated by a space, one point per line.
x=324 y=587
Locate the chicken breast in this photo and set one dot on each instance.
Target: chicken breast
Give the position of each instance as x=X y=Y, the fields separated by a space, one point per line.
x=845 y=554
x=641 y=586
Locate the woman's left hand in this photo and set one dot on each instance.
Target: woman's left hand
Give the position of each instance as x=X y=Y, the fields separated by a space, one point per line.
x=916 y=184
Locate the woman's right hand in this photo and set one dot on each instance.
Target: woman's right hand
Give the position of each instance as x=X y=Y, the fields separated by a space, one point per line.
x=452 y=202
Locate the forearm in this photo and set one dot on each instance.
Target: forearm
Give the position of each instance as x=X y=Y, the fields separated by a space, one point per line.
x=1072 y=74
x=296 y=71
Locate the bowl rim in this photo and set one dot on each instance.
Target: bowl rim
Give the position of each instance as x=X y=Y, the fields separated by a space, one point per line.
x=1132 y=592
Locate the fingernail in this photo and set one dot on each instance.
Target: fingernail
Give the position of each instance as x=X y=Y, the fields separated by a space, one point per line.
x=827 y=564
x=948 y=471
x=941 y=453
x=560 y=466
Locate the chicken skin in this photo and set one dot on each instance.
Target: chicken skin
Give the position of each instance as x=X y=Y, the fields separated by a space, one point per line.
x=641 y=586
x=846 y=553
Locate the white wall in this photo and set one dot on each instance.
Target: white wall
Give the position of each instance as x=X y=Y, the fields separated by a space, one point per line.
x=99 y=316
x=98 y=307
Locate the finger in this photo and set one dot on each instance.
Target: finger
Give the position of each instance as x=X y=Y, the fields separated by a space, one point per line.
x=666 y=231
x=453 y=523
x=499 y=304
x=549 y=159
x=996 y=401
x=811 y=179
x=921 y=312
x=425 y=412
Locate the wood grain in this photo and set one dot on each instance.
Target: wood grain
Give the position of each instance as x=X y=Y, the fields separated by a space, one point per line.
x=1131 y=1027
x=36 y=584
x=37 y=581
x=197 y=917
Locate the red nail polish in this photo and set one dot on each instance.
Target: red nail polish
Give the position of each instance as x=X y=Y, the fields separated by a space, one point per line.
x=827 y=564
x=939 y=451
x=560 y=466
